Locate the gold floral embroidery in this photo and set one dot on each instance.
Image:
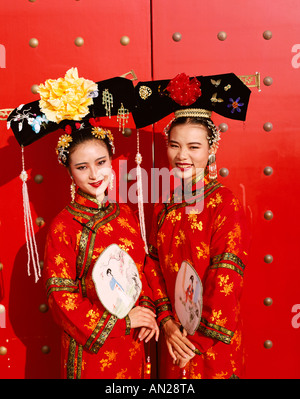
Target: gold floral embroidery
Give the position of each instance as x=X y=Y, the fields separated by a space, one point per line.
x=215 y=201
x=64 y=273
x=169 y=264
x=160 y=238
x=133 y=351
x=219 y=222
x=172 y=216
x=232 y=364
x=197 y=376
x=236 y=204
x=81 y=200
x=203 y=252
x=124 y=223
x=210 y=354
x=121 y=374
x=193 y=368
x=227 y=287
x=234 y=237
x=237 y=338
x=175 y=267
x=59 y=228
x=180 y=238
x=111 y=356
x=59 y=260
x=94 y=319
x=97 y=252
x=193 y=219
x=168 y=258
x=89 y=283
x=220 y=376
x=127 y=244
x=153 y=271
x=63 y=238
x=216 y=318
x=70 y=302
x=107 y=228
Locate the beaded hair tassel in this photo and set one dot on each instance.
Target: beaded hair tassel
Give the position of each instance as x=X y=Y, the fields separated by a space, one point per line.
x=29 y=230
x=138 y=160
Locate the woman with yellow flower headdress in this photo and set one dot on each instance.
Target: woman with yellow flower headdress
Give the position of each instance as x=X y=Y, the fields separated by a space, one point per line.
x=94 y=252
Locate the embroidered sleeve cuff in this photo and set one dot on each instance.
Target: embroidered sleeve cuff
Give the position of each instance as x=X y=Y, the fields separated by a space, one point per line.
x=104 y=329
x=104 y=334
x=197 y=352
x=230 y=261
x=55 y=284
x=215 y=331
x=163 y=310
x=147 y=302
x=128 y=325
x=165 y=319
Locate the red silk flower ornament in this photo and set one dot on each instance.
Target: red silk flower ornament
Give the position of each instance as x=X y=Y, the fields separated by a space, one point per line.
x=68 y=129
x=95 y=122
x=183 y=90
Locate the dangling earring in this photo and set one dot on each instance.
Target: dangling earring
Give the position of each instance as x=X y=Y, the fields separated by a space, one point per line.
x=111 y=182
x=73 y=190
x=212 y=166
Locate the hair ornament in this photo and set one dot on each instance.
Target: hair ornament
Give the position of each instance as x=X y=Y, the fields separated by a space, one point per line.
x=61 y=148
x=68 y=97
x=101 y=133
x=183 y=90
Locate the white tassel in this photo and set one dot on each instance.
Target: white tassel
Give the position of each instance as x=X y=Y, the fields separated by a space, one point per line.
x=32 y=253
x=138 y=160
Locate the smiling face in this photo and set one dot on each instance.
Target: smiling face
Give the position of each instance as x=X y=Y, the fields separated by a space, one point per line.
x=188 y=150
x=90 y=166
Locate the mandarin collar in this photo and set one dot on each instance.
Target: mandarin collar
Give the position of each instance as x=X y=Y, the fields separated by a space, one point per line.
x=192 y=186
x=89 y=201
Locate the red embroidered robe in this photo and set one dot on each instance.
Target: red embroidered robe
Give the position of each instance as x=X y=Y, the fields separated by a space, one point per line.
x=95 y=343
x=215 y=243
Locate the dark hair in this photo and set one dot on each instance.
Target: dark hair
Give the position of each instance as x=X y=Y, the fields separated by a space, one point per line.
x=211 y=129
x=83 y=136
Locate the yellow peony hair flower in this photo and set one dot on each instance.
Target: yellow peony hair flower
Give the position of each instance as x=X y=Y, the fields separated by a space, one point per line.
x=67 y=98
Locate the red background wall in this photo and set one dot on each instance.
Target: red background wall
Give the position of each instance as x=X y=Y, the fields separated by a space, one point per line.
x=29 y=344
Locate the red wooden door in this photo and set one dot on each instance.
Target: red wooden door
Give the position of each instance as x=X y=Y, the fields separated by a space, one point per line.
x=205 y=38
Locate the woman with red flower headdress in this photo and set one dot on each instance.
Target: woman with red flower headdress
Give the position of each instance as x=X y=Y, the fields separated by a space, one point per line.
x=199 y=241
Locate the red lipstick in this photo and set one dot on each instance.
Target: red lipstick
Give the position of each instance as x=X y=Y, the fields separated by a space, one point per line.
x=96 y=184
